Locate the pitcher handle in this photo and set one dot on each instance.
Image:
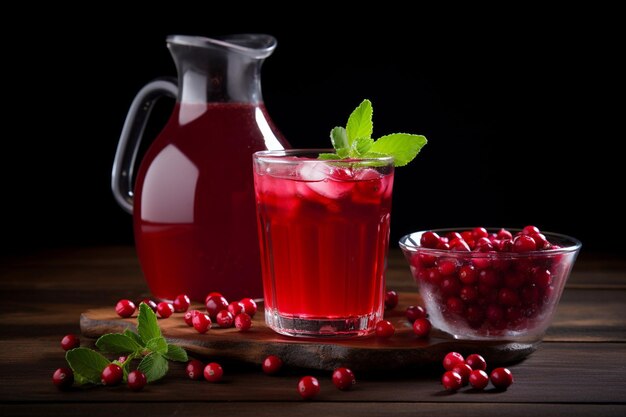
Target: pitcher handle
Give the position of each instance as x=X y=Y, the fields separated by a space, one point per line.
x=132 y=132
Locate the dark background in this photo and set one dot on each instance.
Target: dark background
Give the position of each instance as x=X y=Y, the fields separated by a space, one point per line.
x=519 y=109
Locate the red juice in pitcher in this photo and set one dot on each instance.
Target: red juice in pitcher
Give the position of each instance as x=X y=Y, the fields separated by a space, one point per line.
x=189 y=238
x=323 y=232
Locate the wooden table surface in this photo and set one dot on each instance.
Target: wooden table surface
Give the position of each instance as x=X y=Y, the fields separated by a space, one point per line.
x=580 y=369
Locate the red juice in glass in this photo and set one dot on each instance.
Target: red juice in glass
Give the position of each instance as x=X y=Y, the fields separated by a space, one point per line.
x=324 y=234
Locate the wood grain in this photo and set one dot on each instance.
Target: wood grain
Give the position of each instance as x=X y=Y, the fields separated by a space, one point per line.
x=578 y=370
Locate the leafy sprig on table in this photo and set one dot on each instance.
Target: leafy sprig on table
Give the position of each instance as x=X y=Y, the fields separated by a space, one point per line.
x=148 y=344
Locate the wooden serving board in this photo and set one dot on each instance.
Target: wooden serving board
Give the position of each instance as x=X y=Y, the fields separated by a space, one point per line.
x=403 y=350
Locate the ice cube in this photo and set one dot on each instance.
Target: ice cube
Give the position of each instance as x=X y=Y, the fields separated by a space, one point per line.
x=313 y=171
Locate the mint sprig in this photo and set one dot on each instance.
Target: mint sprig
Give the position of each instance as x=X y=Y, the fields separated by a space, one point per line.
x=148 y=344
x=355 y=140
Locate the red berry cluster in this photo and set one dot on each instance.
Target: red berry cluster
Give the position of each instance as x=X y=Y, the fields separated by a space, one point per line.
x=415 y=314
x=478 y=282
x=225 y=314
x=460 y=372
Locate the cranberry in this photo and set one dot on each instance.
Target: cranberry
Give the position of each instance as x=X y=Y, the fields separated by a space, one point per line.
x=272 y=364
x=415 y=312
x=215 y=304
x=524 y=243
x=483 y=245
x=343 y=378
x=235 y=308
x=426 y=260
x=452 y=359
x=542 y=278
x=455 y=305
x=213 y=372
x=443 y=245
x=422 y=327
x=136 y=380
x=476 y=361
x=249 y=306
x=489 y=277
x=464 y=370
x=391 y=300
x=541 y=241
x=429 y=240
x=112 y=374
x=201 y=322
x=479 y=232
x=194 y=369
x=505 y=245
x=507 y=297
x=63 y=378
x=225 y=319
x=453 y=235
x=450 y=286
x=504 y=234
x=481 y=262
x=433 y=276
x=70 y=341
x=530 y=230
x=468 y=293
x=501 y=378
x=181 y=303
x=447 y=267
x=451 y=381
x=125 y=308
x=308 y=387
x=189 y=315
x=478 y=379
x=243 y=322
x=385 y=329
x=165 y=309
x=467 y=274
x=459 y=245
x=149 y=303
x=467 y=236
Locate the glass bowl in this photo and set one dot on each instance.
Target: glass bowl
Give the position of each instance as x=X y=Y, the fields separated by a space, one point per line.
x=487 y=294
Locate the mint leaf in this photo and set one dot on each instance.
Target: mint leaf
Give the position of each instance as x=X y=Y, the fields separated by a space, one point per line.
x=402 y=146
x=360 y=146
x=117 y=343
x=147 y=325
x=87 y=363
x=176 y=353
x=328 y=156
x=158 y=345
x=339 y=138
x=135 y=337
x=154 y=366
x=360 y=122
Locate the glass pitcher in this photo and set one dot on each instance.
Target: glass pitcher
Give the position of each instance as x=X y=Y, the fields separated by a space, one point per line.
x=193 y=197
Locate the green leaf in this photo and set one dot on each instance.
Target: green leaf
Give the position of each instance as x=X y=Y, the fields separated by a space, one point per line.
x=360 y=146
x=87 y=363
x=154 y=366
x=147 y=325
x=176 y=353
x=158 y=345
x=402 y=146
x=79 y=379
x=117 y=343
x=327 y=156
x=339 y=138
x=134 y=336
x=360 y=122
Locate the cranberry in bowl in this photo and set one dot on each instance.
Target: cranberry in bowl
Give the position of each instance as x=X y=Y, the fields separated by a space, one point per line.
x=490 y=284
